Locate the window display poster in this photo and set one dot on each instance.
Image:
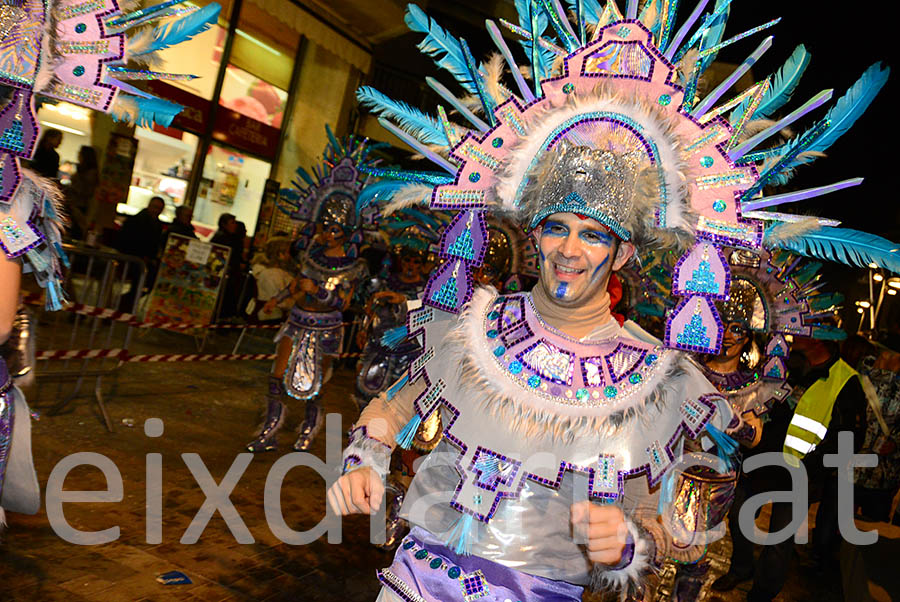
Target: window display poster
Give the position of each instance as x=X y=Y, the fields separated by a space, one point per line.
x=118 y=165
x=186 y=290
x=264 y=223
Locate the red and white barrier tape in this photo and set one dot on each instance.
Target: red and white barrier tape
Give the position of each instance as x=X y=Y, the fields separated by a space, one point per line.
x=133 y=320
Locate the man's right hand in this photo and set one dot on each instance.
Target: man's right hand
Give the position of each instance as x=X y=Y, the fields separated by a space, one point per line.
x=358 y=492
x=270 y=305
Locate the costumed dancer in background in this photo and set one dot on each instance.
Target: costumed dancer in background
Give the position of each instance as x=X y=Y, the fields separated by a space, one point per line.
x=608 y=147
x=79 y=53
x=386 y=350
x=330 y=270
x=385 y=357
x=772 y=296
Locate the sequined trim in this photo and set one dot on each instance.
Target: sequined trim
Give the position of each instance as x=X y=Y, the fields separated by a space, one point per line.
x=584 y=375
x=398 y=586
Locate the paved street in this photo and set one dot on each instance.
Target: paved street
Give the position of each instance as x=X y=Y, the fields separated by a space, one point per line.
x=210 y=409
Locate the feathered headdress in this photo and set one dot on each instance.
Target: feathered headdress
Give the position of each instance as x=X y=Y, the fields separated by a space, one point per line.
x=77 y=51
x=657 y=163
x=332 y=191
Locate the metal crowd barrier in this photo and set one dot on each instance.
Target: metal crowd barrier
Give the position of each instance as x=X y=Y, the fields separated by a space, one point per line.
x=102 y=279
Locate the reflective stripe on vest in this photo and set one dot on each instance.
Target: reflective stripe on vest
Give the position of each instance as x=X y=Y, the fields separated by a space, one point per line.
x=813 y=414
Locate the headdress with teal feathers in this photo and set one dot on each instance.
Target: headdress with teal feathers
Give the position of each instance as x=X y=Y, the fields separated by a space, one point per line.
x=626 y=83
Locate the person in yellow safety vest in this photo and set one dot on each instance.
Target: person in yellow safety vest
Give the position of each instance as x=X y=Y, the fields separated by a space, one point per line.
x=831 y=400
x=809 y=426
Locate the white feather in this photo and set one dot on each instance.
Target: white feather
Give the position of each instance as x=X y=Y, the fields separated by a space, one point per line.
x=414 y=194
x=542 y=129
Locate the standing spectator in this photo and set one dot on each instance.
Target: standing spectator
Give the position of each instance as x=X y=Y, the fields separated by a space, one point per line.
x=876 y=486
x=80 y=199
x=140 y=236
x=271 y=277
x=230 y=235
x=46 y=160
x=181 y=225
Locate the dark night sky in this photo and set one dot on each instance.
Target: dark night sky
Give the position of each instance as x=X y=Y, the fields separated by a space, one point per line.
x=842 y=46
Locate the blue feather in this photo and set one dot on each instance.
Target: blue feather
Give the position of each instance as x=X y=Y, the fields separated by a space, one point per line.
x=783 y=84
x=842 y=245
x=424 y=127
x=305 y=175
x=440 y=45
x=852 y=104
x=828 y=333
x=183 y=29
x=842 y=116
x=592 y=10
x=715 y=32
x=545 y=56
x=149 y=111
x=379 y=191
x=332 y=139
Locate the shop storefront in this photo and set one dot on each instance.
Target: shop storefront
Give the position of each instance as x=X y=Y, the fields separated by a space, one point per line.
x=270 y=77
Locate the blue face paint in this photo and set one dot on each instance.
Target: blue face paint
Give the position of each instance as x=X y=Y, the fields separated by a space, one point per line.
x=597 y=269
x=561 y=290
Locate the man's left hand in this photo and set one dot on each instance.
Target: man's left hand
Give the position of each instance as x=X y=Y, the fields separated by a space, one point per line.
x=603 y=530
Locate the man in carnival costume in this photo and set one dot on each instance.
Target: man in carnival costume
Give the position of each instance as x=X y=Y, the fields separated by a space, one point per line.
x=549 y=405
x=330 y=270
x=76 y=52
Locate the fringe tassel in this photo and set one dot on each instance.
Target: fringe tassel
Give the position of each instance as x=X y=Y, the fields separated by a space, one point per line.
x=666 y=492
x=395 y=388
x=462 y=536
x=405 y=437
x=726 y=447
x=54 y=296
x=394 y=336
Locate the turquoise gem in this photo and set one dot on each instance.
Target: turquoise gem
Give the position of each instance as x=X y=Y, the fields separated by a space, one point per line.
x=534 y=381
x=635 y=378
x=707 y=161
x=610 y=391
x=650 y=359
x=581 y=394
x=474 y=176
x=719 y=205
x=422 y=554
x=493 y=315
x=623 y=32
x=569 y=88
x=515 y=367
x=408 y=545
x=665 y=99
x=78 y=71
x=499 y=350
x=80 y=28
x=497 y=142
x=454 y=572
x=492 y=334
x=435 y=563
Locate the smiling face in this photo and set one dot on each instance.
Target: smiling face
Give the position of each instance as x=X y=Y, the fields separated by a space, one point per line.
x=577 y=256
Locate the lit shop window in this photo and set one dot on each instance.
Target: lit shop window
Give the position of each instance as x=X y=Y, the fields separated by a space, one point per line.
x=232 y=182
x=198 y=56
x=162 y=167
x=253 y=97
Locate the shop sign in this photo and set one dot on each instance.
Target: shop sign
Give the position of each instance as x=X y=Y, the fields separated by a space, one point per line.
x=193 y=117
x=245 y=133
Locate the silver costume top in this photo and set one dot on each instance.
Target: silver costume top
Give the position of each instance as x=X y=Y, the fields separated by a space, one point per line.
x=535 y=421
